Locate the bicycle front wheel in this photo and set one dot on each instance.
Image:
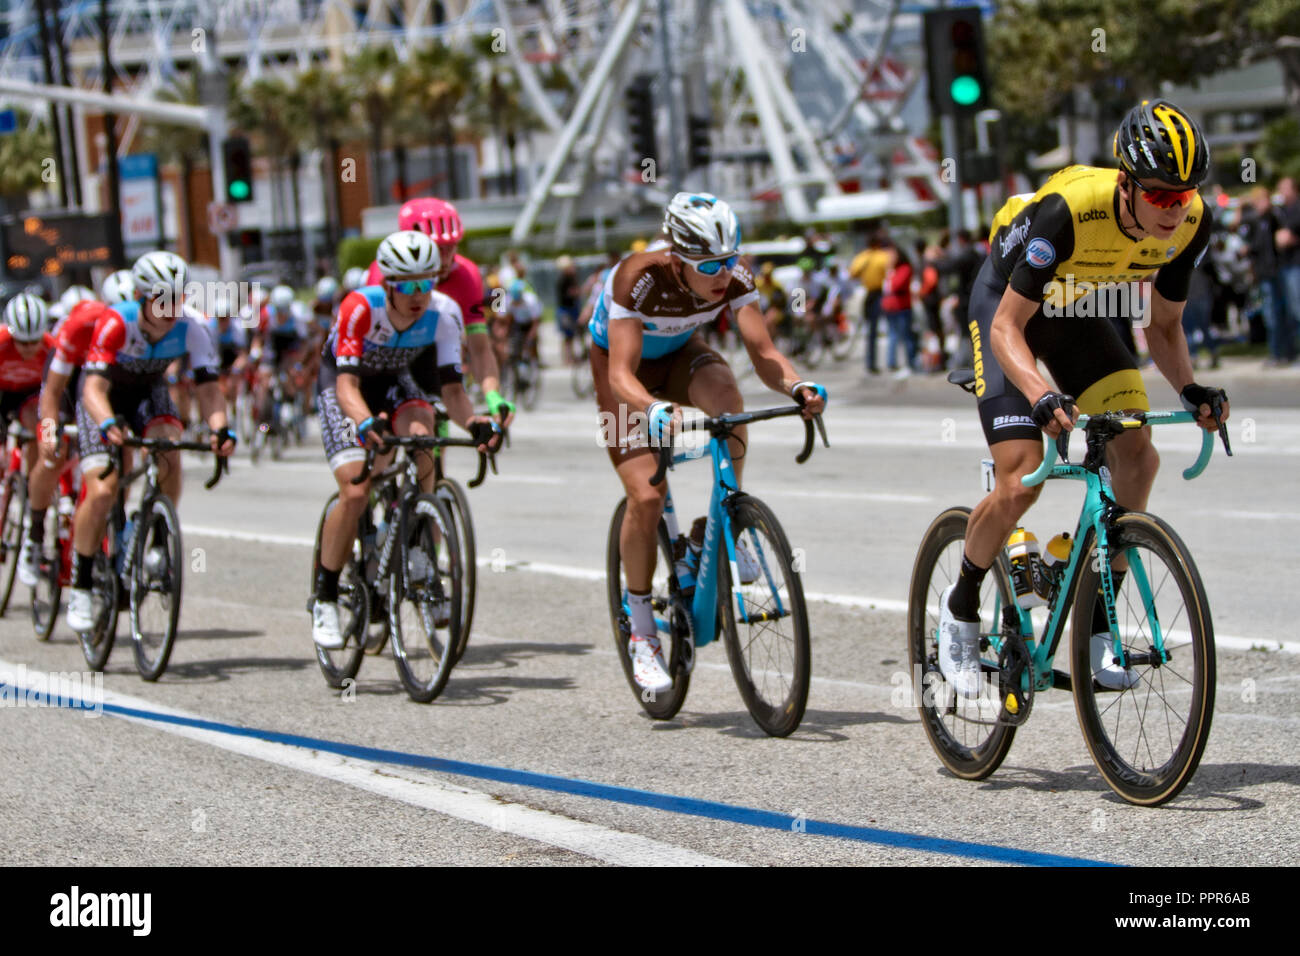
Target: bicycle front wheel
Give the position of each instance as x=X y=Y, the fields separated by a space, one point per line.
x=531 y=386
x=106 y=592
x=49 y=579
x=156 y=577
x=966 y=734
x=766 y=628
x=424 y=598
x=1148 y=735
x=457 y=502
x=843 y=341
x=662 y=705
x=14 y=515
x=341 y=665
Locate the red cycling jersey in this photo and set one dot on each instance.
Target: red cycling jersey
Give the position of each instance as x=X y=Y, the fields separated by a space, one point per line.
x=464 y=285
x=18 y=374
x=72 y=337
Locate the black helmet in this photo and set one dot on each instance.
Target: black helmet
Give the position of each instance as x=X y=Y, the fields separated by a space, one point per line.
x=1157 y=140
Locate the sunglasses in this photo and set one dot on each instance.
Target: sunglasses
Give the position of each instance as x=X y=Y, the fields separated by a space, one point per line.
x=1165 y=198
x=412 y=286
x=711 y=267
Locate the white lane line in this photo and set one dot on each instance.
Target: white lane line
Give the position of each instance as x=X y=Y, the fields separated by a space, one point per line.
x=892 y=605
x=1262 y=515
x=417 y=789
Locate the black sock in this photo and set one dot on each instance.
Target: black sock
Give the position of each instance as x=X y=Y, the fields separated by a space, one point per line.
x=1100 y=623
x=965 y=600
x=36 y=530
x=327 y=585
x=83 y=571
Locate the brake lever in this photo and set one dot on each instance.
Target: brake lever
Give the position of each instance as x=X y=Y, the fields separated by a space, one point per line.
x=821 y=428
x=1217 y=409
x=1063 y=446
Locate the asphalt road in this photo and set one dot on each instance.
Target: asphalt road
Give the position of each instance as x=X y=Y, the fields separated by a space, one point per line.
x=278 y=771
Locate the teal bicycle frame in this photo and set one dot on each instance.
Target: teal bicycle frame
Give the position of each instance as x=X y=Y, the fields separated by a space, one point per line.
x=1098 y=507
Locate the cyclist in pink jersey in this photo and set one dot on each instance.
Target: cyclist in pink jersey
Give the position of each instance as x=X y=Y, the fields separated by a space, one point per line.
x=459 y=279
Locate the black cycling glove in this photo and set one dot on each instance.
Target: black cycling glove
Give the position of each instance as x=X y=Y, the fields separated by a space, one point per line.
x=1194 y=396
x=1044 y=412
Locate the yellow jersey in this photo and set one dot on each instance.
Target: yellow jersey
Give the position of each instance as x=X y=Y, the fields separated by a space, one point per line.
x=1065 y=241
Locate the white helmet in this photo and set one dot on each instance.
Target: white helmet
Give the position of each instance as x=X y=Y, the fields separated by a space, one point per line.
x=118 y=287
x=74 y=294
x=408 y=253
x=156 y=273
x=27 y=317
x=281 y=297
x=701 y=226
x=354 y=278
x=326 y=289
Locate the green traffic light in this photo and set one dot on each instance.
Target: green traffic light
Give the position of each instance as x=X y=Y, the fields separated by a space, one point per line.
x=238 y=189
x=965 y=90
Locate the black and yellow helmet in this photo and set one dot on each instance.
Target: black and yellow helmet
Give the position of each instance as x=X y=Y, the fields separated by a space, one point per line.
x=1157 y=140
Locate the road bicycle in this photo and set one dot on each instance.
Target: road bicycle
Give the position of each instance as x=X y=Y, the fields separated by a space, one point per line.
x=55 y=563
x=764 y=621
x=13 y=510
x=522 y=374
x=284 y=420
x=1147 y=737
x=584 y=386
x=406 y=569
x=450 y=491
x=141 y=561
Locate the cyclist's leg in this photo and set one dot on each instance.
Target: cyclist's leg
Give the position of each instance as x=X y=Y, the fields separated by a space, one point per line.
x=345 y=458
x=158 y=419
x=92 y=511
x=703 y=379
x=415 y=417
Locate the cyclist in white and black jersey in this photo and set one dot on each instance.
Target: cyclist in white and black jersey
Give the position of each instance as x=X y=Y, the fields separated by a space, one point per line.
x=648 y=356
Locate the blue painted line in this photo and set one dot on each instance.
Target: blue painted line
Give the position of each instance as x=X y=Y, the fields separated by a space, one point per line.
x=688 y=806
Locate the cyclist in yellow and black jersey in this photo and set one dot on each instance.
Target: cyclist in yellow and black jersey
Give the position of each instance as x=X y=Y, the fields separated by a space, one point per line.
x=1062 y=264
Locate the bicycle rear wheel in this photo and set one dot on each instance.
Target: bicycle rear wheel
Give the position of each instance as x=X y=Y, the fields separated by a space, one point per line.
x=106 y=591
x=424 y=597
x=964 y=733
x=156 y=578
x=457 y=502
x=663 y=705
x=341 y=665
x=1147 y=740
x=531 y=384
x=770 y=651
x=49 y=579
x=581 y=380
x=13 y=514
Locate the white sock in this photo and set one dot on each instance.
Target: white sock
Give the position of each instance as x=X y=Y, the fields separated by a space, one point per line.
x=643 y=615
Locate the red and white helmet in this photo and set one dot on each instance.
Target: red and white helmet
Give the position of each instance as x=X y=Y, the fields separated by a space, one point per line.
x=435 y=218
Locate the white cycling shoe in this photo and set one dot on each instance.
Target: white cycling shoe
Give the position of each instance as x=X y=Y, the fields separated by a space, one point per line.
x=748 y=566
x=959 y=649
x=29 y=563
x=325 y=625
x=81 y=610
x=1104 y=669
x=649 y=669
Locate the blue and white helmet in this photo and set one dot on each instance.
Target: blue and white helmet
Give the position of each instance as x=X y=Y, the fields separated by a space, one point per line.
x=118 y=287
x=28 y=317
x=281 y=297
x=701 y=226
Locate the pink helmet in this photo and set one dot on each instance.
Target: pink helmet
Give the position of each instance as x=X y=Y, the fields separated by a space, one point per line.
x=435 y=218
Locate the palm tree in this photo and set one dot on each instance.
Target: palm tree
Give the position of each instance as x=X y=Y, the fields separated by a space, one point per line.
x=321 y=94
x=21 y=162
x=499 y=104
x=183 y=146
x=440 y=84
x=370 y=77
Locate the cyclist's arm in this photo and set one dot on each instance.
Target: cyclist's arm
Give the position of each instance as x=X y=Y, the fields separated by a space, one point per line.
x=483 y=360
x=773 y=368
x=94 y=395
x=1007 y=340
x=348 y=388
x=625 y=338
x=1167 y=343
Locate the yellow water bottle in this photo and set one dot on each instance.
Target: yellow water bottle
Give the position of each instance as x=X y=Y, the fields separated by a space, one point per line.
x=1026 y=568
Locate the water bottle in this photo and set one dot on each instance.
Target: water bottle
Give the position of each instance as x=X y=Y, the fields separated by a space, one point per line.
x=1055 y=558
x=1026 y=569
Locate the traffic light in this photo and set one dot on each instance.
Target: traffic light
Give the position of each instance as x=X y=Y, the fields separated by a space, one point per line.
x=699 y=149
x=237 y=160
x=641 y=117
x=955 y=65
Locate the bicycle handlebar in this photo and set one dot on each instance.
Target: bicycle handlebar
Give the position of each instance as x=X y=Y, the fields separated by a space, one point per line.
x=428 y=441
x=1117 y=423
x=721 y=426
x=157 y=445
